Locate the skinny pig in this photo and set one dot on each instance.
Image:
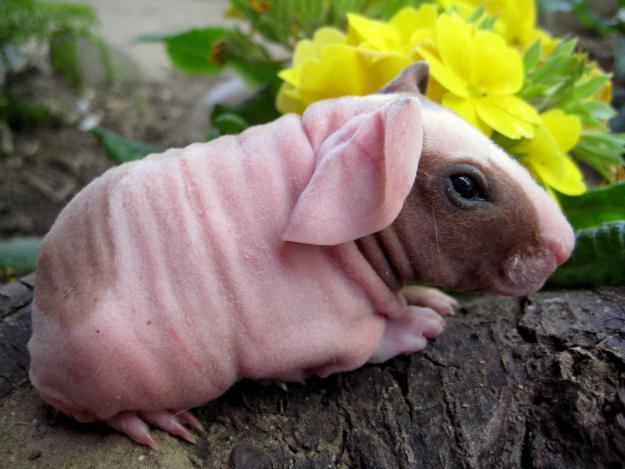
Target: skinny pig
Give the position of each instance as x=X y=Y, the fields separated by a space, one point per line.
x=279 y=254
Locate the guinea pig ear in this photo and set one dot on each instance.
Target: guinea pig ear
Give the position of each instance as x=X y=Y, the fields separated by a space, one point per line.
x=363 y=174
x=413 y=79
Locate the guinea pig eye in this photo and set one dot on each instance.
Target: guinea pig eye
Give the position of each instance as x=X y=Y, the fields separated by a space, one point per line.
x=466 y=187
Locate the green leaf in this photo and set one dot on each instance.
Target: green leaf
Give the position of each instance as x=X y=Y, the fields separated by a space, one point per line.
x=477 y=14
x=65 y=60
x=229 y=123
x=599 y=110
x=251 y=60
x=551 y=79
x=257 y=74
x=209 y=50
x=591 y=86
x=25 y=114
x=22 y=21
x=598 y=259
x=384 y=9
x=257 y=109
x=592 y=113
x=600 y=149
x=19 y=256
x=595 y=206
x=194 y=51
x=121 y=149
x=340 y=8
x=532 y=55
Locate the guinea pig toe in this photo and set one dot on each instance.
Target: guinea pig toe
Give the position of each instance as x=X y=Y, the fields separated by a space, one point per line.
x=128 y=423
x=445 y=305
x=424 y=322
x=169 y=423
x=433 y=326
x=412 y=344
x=430 y=298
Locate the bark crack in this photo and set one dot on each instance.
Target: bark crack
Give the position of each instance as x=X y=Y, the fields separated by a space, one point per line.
x=460 y=438
x=526 y=448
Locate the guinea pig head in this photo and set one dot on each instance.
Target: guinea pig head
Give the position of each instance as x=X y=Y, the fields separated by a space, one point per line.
x=474 y=218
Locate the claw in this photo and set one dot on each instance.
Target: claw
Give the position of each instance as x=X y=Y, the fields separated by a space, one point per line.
x=188 y=418
x=169 y=423
x=130 y=424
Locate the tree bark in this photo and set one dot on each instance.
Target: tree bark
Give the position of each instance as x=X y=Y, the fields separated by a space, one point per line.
x=531 y=382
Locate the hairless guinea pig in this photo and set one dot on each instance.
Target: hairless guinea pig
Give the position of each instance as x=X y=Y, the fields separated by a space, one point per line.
x=279 y=254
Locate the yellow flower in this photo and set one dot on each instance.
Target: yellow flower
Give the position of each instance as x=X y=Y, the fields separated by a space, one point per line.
x=405 y=29
x=516 y=20
x=546 y=154
x=481 y=75
x=371 y=54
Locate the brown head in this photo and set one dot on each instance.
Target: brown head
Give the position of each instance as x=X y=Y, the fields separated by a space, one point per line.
x=474 y=219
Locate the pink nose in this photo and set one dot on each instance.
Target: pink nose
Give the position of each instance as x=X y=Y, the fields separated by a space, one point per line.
x=562 y=246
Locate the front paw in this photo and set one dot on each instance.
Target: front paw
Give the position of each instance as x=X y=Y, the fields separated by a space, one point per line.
x=408 y=333
x=430 y=298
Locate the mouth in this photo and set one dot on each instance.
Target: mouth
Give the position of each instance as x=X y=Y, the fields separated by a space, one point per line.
x=525 y=274
x=516 y=290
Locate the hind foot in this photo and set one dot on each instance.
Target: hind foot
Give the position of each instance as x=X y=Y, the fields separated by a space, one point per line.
x=134 y=425
x=408 y=333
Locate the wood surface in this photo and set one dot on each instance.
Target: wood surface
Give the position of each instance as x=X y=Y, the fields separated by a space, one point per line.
x=531 y=382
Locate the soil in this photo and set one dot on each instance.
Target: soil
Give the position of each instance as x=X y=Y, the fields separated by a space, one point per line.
x=49 y=165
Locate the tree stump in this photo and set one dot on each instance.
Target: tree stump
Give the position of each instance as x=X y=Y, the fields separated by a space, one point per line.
x=531 y=382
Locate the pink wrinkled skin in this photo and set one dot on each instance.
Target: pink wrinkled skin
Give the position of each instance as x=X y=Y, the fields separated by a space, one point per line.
x=167 y=280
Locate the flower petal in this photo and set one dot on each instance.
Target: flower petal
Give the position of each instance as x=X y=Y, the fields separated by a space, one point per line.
x=384 y=69
x=519 y=19
x=445 y=76
x=291 y=75
x=565 y=128
x=544 y=157
x=376 y=34
x=304 y=51
x=508 y=115
x=326 y=36
x=338 y=73
x=409 y=20
x=346 y=70
x=558 y=171
x=307 y=49
x=465 y=107
x=288 y=100
x=454 y=42
x=497 y=68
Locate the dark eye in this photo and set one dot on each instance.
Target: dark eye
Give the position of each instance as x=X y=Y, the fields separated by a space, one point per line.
x=467 y=187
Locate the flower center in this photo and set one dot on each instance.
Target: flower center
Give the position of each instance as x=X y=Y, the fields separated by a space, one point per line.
x=475 y=92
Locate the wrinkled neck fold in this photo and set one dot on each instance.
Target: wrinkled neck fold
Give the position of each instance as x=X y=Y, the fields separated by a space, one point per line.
x=386 y=255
